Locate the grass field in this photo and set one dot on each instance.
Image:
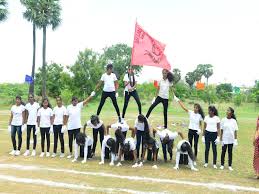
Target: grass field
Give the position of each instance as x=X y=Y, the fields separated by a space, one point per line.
x=47 y=175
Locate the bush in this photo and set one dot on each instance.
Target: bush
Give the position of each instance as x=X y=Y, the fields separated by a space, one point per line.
x=238 y=99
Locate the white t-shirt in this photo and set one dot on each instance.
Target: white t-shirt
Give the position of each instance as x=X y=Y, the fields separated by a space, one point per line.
x=17 y=115
x=164 y=86
x=109 y=80
x=126 y=79
x=132 y=143
x=162 y=134
x=195 y=119
x=124 y=126
x=178 y=147
x=211 y=123
x=45 y=115
x=74 y=116
x=32 y=110
x=229 y=126
x=89 y=124
x=139 y=126
x=59 y=113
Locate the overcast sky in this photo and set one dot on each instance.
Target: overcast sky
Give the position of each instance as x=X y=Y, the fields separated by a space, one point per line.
x=224 y=33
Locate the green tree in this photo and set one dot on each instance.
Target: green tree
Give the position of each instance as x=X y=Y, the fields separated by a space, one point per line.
x=205 y=70
x=30 y=15
x=224 y=91
x=197 y=73
x=209 y=94
x=190 y=79
x=86 y=71
x=3 y=10
x=120 y=56
x=255 y=91
x=48 y=14
x=177 y=75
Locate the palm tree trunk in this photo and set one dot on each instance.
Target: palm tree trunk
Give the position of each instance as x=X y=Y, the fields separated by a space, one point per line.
x=44 y=63
x=31 y=89
x=207 y=81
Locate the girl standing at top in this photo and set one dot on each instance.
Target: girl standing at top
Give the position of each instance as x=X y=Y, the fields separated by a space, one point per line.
x=228 y=137
x=31 y=117
x=17 y=124
x=162 y=94
x=45 y=122
x=130 y=84
x=196 y=117
x=211 y=133
x=256 y=150
x=110 y=82
x=59 y=126
x=74 y=119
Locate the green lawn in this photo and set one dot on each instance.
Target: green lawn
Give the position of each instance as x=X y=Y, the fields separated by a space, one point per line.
x=243 y=174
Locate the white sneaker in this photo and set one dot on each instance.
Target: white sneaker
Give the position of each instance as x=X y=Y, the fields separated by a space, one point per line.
x=62 y=155
x=12 y=152
x=194 y=163
x=205 y=165
x=42 y=154
x=221 y=167
x=69 y=156
x=215 y=166
x=194 y=169
x=27 y=153
x=53 y=155
x=47 y=154
x=111 y=164
x=154 y=166
x=33 y=153
x=17 y=153
x=176 y=167
x=230 y=168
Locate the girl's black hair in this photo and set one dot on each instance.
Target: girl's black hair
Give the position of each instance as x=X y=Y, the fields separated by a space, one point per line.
x=152 y=142
x=119 y=136
x=126 y=147
x=109 y=66
x=80 y=138
x=133 y=81
x=49 y=105
x=185 y=147
x=170 y=145
x=20 y=98
x=214 y=110
x=94 y=119
x=143 y=119
x=74 y=98
x=233 y=116
x=170 y=77
x=112 y=144
x=200 y=111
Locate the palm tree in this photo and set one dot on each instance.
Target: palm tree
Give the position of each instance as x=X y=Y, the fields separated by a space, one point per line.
x=48 y=15
x=30 y=15
x=3 y=10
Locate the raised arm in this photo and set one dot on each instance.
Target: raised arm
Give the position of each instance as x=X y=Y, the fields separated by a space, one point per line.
x=98 y=85
x=85 y=102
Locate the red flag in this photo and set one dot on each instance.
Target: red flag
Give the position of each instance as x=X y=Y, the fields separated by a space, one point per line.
x=147 y=50
x=155 y=83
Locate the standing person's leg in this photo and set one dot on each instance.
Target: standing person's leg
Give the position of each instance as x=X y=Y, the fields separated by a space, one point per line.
x=214 y=147
x=61 y=139
x=190 y=136
x=165 y=105
x=70 y=140
x=230 y=151
x=28 y=138
x=48 y=138
x=42 y=134
x=101 y=134
x=13 y=134
x=164 y=151
x=223 y=152
x=34 y=137
x=95 y=135
x=157 y=101
x=19 y=132
x=112 y=95
x=126 y=102
x=103 y=98
x=138 y=136
x=207 y=146
x=136 y=97
x=196 y=140
x=55 y=129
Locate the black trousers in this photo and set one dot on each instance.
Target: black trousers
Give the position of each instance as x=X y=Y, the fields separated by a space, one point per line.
x=44 y=132
x=192 y=135
x=210 y=138
x=165 y=150
x=17 y=129
x=230 y=150
x=57 y=133
x=165 y=105
x=127 y=96
x=29 y=129
x=89 y=153
x=117 y=143
x=111 y=95
x=150 y=156
x=140 y=136
x=100 y=130
x=71 y=136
